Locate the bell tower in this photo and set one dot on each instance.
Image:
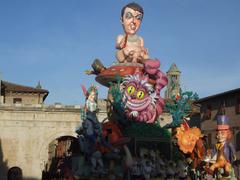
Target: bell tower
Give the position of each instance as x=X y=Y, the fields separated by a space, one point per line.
x=173 y=87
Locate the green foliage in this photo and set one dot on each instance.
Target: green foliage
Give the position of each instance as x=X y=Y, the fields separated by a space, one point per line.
x=180 y=107
x=117 y=95
x=137 y=129
x=176 y=153
x=118 y=106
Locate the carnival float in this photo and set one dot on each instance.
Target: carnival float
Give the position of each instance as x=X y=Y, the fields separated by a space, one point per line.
x=134 y=102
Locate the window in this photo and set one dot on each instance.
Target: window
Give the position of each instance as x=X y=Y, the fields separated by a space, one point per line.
x=14 y=173
x=221 y=110
x=237 y=106
x=208 y=112
x=17 y=100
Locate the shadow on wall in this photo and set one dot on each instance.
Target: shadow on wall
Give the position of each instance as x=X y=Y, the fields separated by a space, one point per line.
x=3 y=164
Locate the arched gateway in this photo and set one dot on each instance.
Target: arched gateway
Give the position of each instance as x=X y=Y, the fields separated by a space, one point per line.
x=27 y=131
x=60 y=151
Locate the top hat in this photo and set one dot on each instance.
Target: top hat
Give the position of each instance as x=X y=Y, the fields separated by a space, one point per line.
x=222 y=122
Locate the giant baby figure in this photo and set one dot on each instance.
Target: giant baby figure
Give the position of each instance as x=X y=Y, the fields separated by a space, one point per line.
x=131 y=46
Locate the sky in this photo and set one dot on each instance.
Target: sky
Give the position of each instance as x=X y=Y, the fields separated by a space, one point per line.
x=55 y=41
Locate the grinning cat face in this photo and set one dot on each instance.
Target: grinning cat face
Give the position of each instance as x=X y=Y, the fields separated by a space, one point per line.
x=138 y=93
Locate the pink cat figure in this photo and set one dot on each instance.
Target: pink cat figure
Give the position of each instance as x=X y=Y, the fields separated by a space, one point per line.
x=143 y=100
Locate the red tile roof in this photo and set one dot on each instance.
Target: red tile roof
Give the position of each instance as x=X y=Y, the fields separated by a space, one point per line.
x=218 y=95
x=8 y=86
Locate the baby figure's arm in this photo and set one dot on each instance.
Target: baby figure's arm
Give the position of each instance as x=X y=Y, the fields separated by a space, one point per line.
x=121 y=41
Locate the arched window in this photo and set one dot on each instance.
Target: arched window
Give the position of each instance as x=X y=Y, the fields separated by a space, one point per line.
x=15 y=173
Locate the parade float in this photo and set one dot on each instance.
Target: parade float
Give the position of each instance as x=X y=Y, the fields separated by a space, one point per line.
x=134 y=106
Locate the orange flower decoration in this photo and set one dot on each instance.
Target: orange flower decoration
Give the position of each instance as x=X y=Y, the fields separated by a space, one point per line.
x=187 y=138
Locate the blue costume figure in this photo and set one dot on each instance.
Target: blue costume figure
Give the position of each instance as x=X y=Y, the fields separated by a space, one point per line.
x=223 y=150
x=91 y=126
x=91 y=138
x=91 y=130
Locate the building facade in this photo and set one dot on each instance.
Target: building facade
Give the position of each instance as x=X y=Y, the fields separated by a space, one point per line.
x=227 y=103
x=28 y=128
x=18 y=94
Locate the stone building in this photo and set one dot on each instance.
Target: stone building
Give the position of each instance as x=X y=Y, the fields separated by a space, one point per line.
x=18 y=94
x=31 y=130
x=227 y=103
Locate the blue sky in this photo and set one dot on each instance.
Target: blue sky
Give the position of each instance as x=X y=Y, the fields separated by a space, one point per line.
x=54 y=41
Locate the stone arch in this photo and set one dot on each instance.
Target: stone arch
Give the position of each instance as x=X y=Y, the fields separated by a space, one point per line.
x=15 y=173
x=44 y=148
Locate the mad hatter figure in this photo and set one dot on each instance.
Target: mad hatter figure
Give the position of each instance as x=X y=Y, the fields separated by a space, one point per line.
x=223 y=150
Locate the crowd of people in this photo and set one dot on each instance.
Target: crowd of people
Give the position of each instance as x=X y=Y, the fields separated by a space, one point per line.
x=152 y=164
